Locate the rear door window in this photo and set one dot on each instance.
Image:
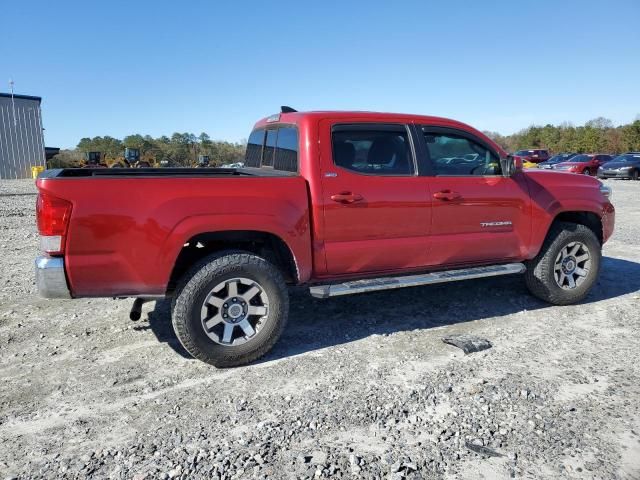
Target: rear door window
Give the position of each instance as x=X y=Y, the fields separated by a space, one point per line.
x=373 y=150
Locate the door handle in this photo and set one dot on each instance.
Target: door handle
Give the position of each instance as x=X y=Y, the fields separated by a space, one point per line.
x=346 y=197
x=447 y=195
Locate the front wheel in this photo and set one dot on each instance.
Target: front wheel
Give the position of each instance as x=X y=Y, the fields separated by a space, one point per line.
x=635 y=175
x=587 y=171
x=230 y=309
x=567 y=266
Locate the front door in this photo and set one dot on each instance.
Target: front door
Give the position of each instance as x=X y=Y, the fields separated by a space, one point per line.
x=478 y=215
x=376 y=208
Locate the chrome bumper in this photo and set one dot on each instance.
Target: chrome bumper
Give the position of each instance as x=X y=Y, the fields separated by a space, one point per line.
x=50 y=278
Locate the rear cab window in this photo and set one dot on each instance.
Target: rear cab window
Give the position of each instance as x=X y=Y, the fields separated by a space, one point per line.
x=275 y=147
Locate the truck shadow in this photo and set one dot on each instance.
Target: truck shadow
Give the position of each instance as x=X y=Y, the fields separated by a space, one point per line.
x=315 y=324
x=160 y=324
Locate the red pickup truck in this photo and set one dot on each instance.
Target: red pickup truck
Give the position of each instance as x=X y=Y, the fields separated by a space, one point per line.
x=343 y=202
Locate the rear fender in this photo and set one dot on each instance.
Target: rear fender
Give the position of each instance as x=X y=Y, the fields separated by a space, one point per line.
x=297 y=239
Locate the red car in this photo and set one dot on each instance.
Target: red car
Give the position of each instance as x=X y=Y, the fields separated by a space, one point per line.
x=341 y=202
x=535 y=155
x=586 y=164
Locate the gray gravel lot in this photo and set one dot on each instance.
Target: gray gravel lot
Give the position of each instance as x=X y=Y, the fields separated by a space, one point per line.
x=358 y=387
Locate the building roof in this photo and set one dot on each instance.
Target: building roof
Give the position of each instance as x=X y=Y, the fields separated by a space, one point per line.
x=23 y=97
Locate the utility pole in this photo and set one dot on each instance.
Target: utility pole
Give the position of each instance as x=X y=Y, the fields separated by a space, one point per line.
x=13 y=103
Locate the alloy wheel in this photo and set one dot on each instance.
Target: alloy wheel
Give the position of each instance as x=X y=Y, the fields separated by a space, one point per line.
x=234 y=311
x=572 y=265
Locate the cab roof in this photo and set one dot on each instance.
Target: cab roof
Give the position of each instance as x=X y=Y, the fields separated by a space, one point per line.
x=297 y=118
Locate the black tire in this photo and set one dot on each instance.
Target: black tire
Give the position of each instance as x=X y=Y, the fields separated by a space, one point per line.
x=587 y=171
x=539 y=276
x=635 y=175
x=195 y=288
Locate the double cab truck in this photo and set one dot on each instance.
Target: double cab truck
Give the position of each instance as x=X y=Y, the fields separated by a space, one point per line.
x=339 y=202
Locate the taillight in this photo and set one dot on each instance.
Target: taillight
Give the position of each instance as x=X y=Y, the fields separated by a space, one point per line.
x=53 y=219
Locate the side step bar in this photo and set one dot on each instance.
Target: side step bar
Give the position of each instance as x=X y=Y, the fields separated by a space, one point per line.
x=387 y=283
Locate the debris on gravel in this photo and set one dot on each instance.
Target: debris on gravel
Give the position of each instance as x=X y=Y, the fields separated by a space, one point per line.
x=477 y=445
x=468 y=343
x=358 y=387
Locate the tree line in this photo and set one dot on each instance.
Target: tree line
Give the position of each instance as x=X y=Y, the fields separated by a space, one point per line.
x=596 y=136
x=180 y=149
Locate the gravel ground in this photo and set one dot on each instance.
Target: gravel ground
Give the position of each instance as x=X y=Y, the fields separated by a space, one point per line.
x=358 y=387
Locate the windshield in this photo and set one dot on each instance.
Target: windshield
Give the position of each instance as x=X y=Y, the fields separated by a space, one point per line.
x=581 y=158
x=523 y=153
x=561 y=157
x=627 y=158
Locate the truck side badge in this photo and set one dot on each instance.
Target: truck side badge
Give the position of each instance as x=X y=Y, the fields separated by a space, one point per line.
x=495 y=224
x=330 y=174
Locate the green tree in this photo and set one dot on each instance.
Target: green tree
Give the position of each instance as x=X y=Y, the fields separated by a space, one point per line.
x=107 y=145
x=142 y=143
x=631 y=136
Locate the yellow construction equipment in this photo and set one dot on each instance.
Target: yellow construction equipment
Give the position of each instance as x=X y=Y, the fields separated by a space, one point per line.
x=91 y=160
x=131 y=159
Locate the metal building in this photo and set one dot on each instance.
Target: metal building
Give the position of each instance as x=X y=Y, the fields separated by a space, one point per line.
x=21 y=138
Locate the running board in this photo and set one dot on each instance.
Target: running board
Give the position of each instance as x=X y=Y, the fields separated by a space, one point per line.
x=387 y=283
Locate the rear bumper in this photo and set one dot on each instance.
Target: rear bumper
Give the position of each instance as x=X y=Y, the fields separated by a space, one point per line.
x=50 y=277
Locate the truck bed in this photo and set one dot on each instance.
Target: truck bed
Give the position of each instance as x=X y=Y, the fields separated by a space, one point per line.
x=163 y=172
x=128 y=226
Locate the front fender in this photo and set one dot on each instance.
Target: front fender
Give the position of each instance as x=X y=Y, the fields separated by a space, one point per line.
x=545 y=219
x=553 y=194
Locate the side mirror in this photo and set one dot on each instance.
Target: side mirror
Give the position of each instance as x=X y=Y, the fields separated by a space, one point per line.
x=510 y=165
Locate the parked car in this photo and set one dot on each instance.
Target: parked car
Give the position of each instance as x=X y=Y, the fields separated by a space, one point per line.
x=339 y=202
x=586 y=164
x=535 y=155
x=626 y=165
x=557 y=158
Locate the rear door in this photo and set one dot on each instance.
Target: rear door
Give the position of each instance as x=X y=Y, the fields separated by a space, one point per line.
x=478 y=215
x=376 y=207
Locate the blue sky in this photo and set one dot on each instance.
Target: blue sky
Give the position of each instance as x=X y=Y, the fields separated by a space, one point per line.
x=121 y=67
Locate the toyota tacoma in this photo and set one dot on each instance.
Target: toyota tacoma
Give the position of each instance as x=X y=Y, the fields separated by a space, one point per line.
x=339 y=202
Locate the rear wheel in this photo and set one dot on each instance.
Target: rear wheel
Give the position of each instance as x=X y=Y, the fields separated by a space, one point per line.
x=587 y=171
x=230 y=309
x=635 y=175
x=567 y=266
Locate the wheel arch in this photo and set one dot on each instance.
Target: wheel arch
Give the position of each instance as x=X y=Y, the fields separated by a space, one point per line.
x=265 y=244
x=591 y=220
